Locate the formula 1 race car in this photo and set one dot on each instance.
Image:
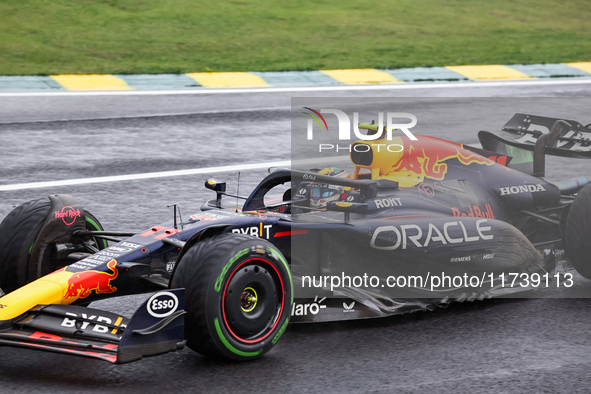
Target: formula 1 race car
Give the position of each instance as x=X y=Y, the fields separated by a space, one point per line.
x=412 y=228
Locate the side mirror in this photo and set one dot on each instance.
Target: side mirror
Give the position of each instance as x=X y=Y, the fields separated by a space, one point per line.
x=219 y=188
x=216 y=186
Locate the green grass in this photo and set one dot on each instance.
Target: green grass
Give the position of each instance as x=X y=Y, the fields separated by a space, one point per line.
x=177 y=36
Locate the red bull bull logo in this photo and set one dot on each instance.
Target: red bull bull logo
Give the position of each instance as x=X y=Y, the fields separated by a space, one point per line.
x=82 y=284
x=427 y=158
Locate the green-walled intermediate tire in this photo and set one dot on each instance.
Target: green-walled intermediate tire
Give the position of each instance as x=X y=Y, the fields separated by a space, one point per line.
x=18 y=232
x=238 y=296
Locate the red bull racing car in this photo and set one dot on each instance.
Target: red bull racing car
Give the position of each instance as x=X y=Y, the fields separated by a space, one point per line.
x=381 y=241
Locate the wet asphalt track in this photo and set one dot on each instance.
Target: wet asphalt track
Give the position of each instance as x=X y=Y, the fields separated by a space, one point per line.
x=535 y=345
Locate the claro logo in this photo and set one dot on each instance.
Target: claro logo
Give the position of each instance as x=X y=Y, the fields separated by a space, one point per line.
x=308 y=309
x=412 y=235
x=344 y=129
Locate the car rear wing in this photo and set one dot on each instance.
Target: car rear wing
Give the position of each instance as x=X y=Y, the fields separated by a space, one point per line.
x=156 y=327
x=528 y=138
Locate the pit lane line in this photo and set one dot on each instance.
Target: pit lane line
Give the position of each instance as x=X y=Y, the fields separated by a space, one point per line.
x=404 y=86
x=165 y=174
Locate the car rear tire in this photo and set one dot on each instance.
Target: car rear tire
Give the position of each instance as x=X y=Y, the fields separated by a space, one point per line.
x=18 y=233
x=578 y=232
x=238 y=296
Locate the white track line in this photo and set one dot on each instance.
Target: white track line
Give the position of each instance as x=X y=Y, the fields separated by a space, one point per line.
x=167 y=174
x=147 y=175
x=410 y=85
x=154 y=115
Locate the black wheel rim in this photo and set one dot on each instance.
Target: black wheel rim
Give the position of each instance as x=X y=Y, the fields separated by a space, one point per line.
x=253 y=300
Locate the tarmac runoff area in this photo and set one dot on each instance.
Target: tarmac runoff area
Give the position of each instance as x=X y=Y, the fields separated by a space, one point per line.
x=283 y=79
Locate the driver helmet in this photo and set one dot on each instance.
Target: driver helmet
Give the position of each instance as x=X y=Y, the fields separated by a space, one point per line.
x=321 y=194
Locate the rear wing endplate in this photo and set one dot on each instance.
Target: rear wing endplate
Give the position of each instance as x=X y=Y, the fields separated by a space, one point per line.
x=528 y=138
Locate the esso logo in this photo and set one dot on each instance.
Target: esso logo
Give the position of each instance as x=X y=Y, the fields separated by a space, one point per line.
x=162 y=304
